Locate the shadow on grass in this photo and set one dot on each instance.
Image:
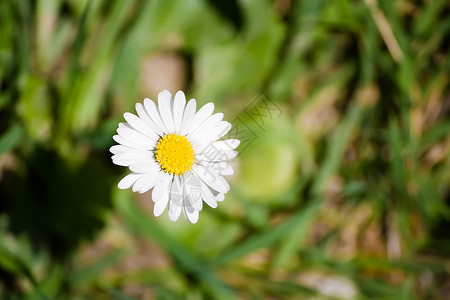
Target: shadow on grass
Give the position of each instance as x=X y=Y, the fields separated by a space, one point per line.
x=55 y=204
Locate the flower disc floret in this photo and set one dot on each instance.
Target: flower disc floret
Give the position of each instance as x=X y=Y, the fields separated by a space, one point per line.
x=175 y=154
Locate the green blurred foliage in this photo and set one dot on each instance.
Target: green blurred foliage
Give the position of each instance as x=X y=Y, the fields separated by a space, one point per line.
x=340 y=192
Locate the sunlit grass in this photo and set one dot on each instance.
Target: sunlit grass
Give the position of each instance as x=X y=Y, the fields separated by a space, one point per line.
x=342 y=182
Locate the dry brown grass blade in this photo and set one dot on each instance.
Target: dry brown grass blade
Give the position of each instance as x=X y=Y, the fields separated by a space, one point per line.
x=385 y=30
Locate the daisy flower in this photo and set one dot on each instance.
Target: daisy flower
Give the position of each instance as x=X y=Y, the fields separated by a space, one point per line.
x=175 y=150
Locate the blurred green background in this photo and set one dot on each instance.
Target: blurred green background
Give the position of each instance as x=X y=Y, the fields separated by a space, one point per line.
x=342 y=192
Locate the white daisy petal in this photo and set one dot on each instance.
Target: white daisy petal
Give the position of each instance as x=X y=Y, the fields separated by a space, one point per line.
x=165 y=110
x=220 y=197
x=227 y=144
x=123 y=162
x=188 y=116
x=203 y=139
x=136 y=137
x=128 y=181
x=216 y=155
x=145 y=167
x=137 y=154
x=178 y=109
x=160 y=194
x=221 y=129
x=127 y=158
x=140 y=125
x=126 y=125
x=214 y=150
x=202 y=114
x=151 y=183
x=129 y=144
x=174 y=213
x=176 y=193
x=126 y=161
x=146 y=182
x=208 y=197
x=141 y=182
x=162 y=188
x=118 y=149
x=192 y=191
x=210 y=122
x=199 y=204
x=223 y=167
x=153 y=112
x=191 y=214
x=161 y=205
x=214 y=180
x=142 y=113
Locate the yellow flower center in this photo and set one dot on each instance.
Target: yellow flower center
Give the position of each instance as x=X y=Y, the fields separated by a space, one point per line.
x=175 y=154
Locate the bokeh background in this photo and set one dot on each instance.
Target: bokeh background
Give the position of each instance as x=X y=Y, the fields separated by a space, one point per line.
x=342 y=186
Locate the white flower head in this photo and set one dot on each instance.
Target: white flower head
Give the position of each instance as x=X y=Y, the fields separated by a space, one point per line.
x=175 y=150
